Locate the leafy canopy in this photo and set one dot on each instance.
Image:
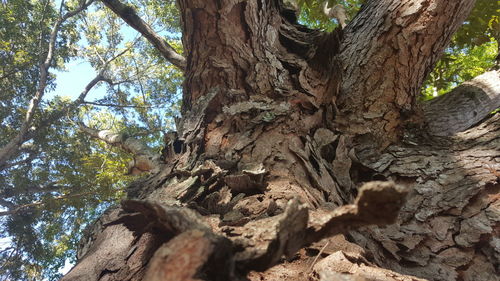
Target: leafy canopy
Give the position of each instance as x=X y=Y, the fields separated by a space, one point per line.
x=62 y=179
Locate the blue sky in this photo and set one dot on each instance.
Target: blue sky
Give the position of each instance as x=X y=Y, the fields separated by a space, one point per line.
x=72 y=82
x=79 y=72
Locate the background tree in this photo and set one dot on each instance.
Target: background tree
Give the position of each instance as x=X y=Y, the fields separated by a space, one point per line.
x=221 y=153
x=55 y=176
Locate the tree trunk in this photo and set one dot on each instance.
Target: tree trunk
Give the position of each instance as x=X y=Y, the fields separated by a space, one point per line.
x=281 y=128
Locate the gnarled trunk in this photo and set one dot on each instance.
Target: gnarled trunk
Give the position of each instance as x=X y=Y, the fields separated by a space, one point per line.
x=281 y=126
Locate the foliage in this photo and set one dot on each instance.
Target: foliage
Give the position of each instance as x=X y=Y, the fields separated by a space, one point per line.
x=24 y=29
x=312 y=13
x=472 y=51
x=481 y=26
x=458 y=65
x=64 y=179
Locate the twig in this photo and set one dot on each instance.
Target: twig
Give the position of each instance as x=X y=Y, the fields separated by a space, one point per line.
x=309 y=270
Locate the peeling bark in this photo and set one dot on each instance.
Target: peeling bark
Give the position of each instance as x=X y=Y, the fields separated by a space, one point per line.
x=219 y=252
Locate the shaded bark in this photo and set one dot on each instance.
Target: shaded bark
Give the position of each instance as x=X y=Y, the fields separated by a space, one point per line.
x=273 y=144
x=448 y=229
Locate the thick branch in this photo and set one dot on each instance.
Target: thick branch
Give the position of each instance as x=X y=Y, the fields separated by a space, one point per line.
x=145 y=160
x=464 y=106
x=129 y=15
x=451 y=211
x=387 y=51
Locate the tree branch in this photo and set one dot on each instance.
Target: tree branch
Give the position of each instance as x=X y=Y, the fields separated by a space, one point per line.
x=11 y=191
x=121 y=106
x=15 y=70
x=55 y=115
x=402 y=40
x=20 y=208
x=129 y=15
x=31 y=156
x=12 y=149
x=7 y=204
x=145 y=160
x=464 y=106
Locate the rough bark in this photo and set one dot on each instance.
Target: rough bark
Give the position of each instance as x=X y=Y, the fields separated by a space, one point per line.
x=392 y=46
x=448 y=229
x=263 y=164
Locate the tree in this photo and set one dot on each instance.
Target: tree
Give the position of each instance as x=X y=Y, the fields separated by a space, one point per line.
x=282 y=126
x=58 y=168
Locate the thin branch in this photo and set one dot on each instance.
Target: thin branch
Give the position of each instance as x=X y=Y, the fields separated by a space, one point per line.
x=139 y=80
x=310 y=269
x=7 y=204
x=14 y=252
x=81 y=98
x=10 y=191
x=120 y=105
x=55 y=115
x=129 y=15
x=31 y=156
x=15 y=70
x=12 y=148
x=146 y=133
x=112 y=83
x=25 y=207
